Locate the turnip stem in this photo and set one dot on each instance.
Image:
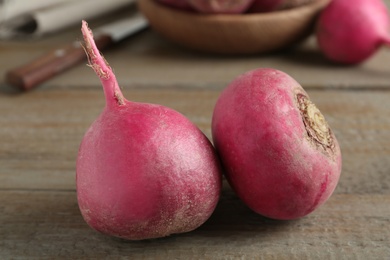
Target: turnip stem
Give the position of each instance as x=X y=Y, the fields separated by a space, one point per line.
x=102 y=69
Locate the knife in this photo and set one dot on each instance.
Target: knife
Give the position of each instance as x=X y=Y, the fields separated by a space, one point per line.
x=30 y=75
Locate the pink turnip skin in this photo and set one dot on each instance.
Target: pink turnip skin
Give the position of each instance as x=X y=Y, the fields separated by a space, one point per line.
x=278 y=152
x=220 y=6
x=143 y=170
x=350 y=33
x=179 y=4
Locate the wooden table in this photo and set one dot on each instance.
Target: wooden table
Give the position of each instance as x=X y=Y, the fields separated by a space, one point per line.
x=40 y=132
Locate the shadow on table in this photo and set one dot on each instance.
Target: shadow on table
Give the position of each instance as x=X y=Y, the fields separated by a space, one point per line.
x=232 y=220
x=6 y=89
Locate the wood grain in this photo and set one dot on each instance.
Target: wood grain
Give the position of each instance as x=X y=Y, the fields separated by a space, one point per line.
x=51 y=64
x=40 y=216
x=232 y=33
x=40 y=133
x=43 y=224
x=150 y=60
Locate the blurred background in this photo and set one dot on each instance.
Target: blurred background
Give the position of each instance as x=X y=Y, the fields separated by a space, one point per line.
x=49 y=97
x=150 y=52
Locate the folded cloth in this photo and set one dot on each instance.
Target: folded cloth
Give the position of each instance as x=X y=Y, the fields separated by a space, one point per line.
x=12 y=8
x=39 y=17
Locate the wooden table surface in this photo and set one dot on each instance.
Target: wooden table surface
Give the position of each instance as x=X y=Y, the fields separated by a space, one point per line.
x=40 y=132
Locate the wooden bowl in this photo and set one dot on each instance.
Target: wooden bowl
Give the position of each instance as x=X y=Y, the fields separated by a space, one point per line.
x=233 y=34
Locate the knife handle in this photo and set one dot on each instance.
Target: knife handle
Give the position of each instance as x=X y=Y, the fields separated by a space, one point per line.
x=50 y=64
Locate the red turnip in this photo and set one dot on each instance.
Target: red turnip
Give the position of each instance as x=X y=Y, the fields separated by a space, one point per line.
x=279 y=154
x=350 y=33
x=143 y=170
x=220 y=6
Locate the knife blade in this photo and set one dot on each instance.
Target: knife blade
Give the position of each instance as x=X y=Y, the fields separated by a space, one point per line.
x=30 y=75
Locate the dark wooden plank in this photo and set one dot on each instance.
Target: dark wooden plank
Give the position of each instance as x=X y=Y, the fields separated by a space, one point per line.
x=40 y=132
x=151 y=59
x=47 y=224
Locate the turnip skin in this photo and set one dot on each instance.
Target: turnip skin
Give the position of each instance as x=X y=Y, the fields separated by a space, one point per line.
x=143 y=170
x=270 y=160
x=351 y=32
x=164 y=181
